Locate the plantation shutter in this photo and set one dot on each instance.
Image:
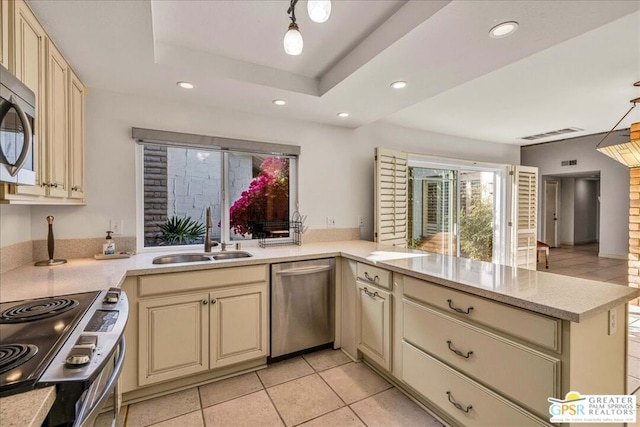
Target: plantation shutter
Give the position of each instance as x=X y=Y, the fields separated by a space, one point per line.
x=391 y=197
x=524 y=216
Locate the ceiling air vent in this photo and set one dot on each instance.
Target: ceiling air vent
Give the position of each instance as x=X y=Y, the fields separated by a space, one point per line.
x=569 y=162
x=552 y=133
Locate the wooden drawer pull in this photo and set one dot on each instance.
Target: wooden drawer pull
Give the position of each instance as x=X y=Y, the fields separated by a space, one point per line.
x=457 y=405
x=459 y=310
x=458 y=352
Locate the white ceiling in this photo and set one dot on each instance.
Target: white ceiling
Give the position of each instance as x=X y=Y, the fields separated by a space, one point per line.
x=570 y=64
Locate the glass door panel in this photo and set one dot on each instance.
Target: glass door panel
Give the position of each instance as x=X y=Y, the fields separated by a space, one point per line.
x=453 y=211
x=432 y=210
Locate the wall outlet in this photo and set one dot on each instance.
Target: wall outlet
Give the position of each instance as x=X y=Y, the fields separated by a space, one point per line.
x=117 y=226
x=331 y=222
x=613 y=321
x=360 y=221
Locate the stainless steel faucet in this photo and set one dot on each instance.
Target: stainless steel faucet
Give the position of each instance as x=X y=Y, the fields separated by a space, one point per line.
x=208 y=241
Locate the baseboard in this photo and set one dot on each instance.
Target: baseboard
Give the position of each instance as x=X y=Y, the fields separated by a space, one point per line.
x=614 y=256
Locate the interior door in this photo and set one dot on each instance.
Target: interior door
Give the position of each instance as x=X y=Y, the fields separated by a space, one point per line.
x=551 y=213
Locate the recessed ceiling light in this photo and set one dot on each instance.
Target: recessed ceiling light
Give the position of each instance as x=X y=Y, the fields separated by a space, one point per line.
x=185 y=85
x=399 y=84
x=343 y=115
x=279 y=101
x=503 y=30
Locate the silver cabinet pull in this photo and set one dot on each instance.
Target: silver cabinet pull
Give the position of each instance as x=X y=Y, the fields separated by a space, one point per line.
x=459 y=310
x=374 y=279
x=369 y=293
x=205 y=302
x=213 y=300
x=458 y=352
x=457 y=405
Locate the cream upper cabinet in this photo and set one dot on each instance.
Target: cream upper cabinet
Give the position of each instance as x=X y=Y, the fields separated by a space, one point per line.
x=76 y=137
x=373 y=323
x=57 y=123
x=173 y=337
x=30 y=42
x=4 y=33
x=239 y=324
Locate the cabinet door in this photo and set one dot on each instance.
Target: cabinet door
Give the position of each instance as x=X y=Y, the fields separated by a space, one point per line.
x=57 y=122
x=30 y=64
x=238 y=325
x=173 y=337
x=4 y=33
x=373 y=332
x=76 y=137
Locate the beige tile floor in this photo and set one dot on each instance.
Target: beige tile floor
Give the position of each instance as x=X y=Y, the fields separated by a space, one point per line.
x=321 y=389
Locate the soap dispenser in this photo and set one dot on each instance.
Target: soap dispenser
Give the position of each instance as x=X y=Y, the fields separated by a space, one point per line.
x=109 y=246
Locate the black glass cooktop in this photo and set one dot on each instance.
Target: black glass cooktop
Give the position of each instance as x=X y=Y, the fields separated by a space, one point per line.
x=31 y=333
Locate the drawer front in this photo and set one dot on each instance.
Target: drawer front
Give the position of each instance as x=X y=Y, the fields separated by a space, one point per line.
x=535 y=328
x=445 y=388
x=204 y=279
x=374 y=275
x=524 y=374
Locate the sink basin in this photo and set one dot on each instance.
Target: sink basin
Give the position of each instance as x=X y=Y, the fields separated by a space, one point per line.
x=177 y=258
x=231 y=255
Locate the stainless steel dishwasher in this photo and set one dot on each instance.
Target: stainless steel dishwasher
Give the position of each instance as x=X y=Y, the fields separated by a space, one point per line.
x=302 y=301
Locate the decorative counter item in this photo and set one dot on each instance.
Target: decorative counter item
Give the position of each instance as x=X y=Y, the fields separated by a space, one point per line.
x=50 y=247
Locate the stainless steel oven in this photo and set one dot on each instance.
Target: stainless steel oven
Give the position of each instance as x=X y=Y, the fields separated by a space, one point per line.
x=74 y=342
x=17 y=115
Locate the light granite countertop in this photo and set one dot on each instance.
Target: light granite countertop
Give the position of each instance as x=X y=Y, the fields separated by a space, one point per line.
x=563 y=297
x=567 y=298
x=26 y=409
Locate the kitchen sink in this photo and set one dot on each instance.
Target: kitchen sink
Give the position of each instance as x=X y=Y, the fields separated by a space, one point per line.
x=231 y=255
x=177 y=258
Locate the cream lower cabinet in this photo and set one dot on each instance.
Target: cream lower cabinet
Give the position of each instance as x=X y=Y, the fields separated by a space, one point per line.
x=186 y=326
x=239 y=324
x=373 y=323
x=174 y=337
x=478 y=362
x=182 y=335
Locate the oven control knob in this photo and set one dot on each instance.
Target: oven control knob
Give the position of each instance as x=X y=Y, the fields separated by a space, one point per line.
x=112 y=296
x=79 y=356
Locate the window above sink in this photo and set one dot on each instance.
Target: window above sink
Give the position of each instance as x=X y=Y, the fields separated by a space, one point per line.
x=246 y=191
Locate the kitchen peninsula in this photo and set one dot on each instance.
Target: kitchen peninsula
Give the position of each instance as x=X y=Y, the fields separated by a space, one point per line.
x=550 y=330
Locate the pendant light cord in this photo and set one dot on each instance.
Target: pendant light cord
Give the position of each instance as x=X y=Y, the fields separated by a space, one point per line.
x=616 y=125
x=292 y=10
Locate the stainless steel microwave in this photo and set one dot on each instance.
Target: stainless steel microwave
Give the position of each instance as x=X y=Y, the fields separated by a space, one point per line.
x=17 y=115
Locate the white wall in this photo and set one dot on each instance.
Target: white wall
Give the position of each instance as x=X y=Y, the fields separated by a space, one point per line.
x=614 y=182
x=567 y=209
x=336 y=164
x=15 y=224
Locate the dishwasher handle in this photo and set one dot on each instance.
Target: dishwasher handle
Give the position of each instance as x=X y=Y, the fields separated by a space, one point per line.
x=303 y=270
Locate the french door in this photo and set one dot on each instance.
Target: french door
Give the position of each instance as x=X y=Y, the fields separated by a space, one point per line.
x=453 y=211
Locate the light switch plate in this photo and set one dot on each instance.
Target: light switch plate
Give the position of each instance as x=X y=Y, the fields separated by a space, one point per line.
x=331 y=222
x=117 y=226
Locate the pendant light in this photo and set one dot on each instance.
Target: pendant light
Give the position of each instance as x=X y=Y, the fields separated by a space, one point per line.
x=293 y=39
x=319 y=10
